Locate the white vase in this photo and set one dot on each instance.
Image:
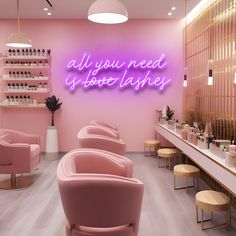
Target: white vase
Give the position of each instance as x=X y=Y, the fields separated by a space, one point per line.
x=51 y=144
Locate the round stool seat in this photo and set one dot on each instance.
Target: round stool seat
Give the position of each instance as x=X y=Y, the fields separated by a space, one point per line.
x=151 y=145
x=167 y=152
x=212 y=200
x=186 y=170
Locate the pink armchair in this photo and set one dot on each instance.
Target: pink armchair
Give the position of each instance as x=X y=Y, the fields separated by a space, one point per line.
x=104 y=124
x=98 y=204
x=102 y=130
x=86 y=160
x=19 y=153
x=100 y=138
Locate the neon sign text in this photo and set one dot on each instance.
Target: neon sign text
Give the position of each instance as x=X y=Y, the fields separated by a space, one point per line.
x=88 y=73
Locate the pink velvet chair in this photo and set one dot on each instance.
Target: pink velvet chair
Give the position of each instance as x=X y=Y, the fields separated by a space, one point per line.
x=104 y=124
x=100 y=138
x=98 y=204
x=19 y=153
x=102 y=130
x=88 y=160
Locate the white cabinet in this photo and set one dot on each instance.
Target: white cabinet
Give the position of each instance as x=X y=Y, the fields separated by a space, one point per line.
x=26 y=77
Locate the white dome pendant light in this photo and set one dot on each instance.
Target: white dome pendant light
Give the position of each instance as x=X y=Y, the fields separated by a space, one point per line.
x=107 y=12
x=18 y=39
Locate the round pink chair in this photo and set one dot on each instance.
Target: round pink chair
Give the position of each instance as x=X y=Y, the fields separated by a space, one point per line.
x=104 y=124
x=97 y=204
x=100 y=138
x=86 y=160
x=102 y=130
x=19 y=153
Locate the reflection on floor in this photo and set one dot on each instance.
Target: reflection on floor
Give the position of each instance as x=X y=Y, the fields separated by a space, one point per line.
x=37 y=211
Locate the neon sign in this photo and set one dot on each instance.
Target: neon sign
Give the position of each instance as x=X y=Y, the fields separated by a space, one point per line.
x=135 y=74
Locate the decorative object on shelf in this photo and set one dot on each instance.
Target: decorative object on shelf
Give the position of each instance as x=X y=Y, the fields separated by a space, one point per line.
x=107 y=12
x=169 y=113
x=53 y=104
x=18 y=39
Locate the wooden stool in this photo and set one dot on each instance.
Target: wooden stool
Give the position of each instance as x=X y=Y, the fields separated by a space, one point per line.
x=167 y=153
x=212 y=201
x=186 y=171
x=151 y=145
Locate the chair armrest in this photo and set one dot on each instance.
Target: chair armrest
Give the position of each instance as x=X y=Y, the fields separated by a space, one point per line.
x=15 y=158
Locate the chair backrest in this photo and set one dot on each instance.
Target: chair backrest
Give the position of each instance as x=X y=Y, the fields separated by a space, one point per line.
x=100 y=200
x=101 y=130
x=98 y=141
x=85 y=160
x=104 y=124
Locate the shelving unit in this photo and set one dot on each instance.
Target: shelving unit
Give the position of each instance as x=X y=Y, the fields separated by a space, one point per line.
x=26 y=78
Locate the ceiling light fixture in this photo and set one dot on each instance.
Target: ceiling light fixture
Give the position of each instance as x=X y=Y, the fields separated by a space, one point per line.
x=173 y=8
x=169 y=13
x=210 y=78
x=185 y=83
x=18 y=39
x=45 y=9
x=107 y=12
x=49 y=13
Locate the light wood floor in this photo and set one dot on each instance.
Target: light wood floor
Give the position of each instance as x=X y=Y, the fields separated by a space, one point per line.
x=37 y=211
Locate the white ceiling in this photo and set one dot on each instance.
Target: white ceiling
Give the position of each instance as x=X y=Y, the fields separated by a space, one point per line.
x=72 y=9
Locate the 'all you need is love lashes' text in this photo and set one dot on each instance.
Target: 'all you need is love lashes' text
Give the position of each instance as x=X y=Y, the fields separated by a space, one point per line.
x=106 y=73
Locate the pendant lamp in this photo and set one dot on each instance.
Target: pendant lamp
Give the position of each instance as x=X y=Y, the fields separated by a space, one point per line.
x=107 y=12
x=185 y=83
x=210 y=78
x=18 y=39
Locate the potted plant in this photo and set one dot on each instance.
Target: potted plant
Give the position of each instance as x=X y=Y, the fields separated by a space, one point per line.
x=53 y=104
x=169 y=113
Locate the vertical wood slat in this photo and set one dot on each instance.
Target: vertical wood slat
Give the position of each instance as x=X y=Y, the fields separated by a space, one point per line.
x=212 y=35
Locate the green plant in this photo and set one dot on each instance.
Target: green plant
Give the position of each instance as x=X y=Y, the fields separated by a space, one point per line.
x=169 y=113
x=52 y=103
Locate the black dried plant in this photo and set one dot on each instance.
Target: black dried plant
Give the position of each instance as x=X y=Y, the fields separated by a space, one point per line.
x=169 y=113
x=53 y=104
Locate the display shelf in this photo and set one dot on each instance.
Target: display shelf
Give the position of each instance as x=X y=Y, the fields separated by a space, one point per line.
x=25 y=57
x=26 y=67
x=25 y=91
x=25 y=79
x=40 y=105
x=23 y=69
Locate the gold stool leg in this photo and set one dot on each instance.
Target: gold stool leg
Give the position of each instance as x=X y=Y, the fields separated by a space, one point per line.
x=186 y=184
x=202 y=218
x=13 y=180
x=174 y=182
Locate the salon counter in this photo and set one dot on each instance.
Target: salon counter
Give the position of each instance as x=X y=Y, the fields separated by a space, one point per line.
x=213 y=165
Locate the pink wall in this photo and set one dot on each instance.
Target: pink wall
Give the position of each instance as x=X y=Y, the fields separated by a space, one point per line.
x=134 y=113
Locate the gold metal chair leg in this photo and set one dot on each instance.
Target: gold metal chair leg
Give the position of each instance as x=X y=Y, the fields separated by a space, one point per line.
x=13 y=180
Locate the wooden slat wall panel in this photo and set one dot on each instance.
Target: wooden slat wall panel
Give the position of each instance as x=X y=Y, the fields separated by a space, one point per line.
x=211 y=43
